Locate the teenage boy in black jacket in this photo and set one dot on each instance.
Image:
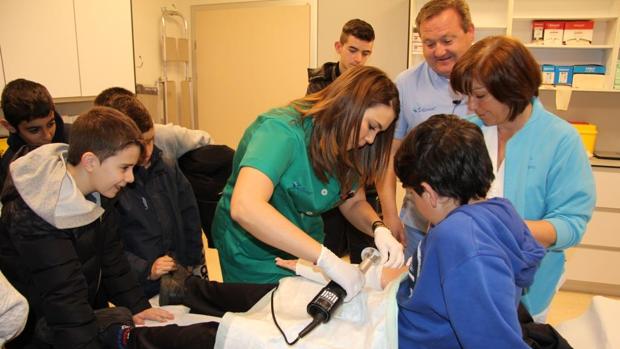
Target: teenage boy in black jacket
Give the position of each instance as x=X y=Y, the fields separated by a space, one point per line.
x=58 y=239
x=159 y=219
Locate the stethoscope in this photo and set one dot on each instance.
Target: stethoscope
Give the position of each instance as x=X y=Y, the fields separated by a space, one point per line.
x=457 y=99
x=456 y=103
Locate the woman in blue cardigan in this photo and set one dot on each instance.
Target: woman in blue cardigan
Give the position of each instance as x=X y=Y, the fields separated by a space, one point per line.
x=538 y=158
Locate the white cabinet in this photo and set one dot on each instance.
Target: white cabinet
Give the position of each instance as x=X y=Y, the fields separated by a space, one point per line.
x=37 y=38
x=514 y=18
x=592 y=266
x=105 y=45
x=73 y=47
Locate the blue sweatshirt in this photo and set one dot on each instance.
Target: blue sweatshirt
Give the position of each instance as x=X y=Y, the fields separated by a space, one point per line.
x=465 y=282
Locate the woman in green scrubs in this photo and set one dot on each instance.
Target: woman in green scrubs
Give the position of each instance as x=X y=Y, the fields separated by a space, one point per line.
x=295 y=162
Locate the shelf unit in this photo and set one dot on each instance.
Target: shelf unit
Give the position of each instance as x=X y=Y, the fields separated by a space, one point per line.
x=514 y=18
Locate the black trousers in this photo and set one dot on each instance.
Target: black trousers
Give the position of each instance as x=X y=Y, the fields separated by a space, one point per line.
x=197 y=336
x=341 y=237
x=216 y=298
x=202 y=297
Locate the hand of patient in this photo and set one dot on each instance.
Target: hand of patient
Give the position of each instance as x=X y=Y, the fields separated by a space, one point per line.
x=155 y=314
x=161 y=266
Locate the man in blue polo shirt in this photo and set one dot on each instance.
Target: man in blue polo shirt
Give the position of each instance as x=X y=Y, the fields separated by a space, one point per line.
x=446 y=31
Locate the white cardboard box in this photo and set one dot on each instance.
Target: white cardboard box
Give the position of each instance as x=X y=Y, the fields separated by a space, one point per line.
x=578 y=33
x=588 y=81
x=554 y=32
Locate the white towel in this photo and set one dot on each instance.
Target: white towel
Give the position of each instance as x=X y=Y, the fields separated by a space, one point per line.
x=368 y=321
x=182 y=316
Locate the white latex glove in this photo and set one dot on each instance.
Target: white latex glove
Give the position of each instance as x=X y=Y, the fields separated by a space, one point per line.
x=344 y=274
x=309 y=271
x=392 y=255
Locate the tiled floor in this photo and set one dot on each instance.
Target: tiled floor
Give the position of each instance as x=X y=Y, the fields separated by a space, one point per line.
x=566 y=305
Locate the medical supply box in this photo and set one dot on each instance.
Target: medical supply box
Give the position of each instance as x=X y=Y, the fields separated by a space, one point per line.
x=548 y=74
x=563 y=75
x=578 y=33
x=589 y=76
x=553 y=33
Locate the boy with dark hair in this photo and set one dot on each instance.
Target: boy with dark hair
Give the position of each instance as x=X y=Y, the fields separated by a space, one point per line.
x=58 y=239
x=159 y=218
x=31 y=118
x=104 y=97
x=207 y=166
x=467 y=276
x=173 y=140
x=354 y=48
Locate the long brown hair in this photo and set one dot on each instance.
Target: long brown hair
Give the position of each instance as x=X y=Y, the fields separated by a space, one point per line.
x=338 y=111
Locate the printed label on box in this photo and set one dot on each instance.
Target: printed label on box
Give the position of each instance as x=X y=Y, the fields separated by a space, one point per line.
x=548 y=74
x=538 y=28
x=554 y=31
x=563 y=75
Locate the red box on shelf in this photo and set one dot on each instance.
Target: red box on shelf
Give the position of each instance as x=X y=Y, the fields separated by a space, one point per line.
x=578 y=32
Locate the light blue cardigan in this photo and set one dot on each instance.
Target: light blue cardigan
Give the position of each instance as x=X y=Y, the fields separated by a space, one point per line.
x=547 y=176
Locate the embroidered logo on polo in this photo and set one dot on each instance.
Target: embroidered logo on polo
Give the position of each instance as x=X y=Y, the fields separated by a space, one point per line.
x=421 y=109
x=298 y=186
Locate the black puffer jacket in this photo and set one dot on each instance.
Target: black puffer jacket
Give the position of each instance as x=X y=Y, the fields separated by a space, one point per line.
x=158 y=216
x=207 y=169
x=62 y=271
x=319 y=78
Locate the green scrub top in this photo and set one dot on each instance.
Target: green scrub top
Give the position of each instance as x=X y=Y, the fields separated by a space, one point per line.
x=277 y=145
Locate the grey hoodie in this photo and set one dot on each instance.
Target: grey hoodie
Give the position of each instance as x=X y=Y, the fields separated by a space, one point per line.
x=44 y=183
x=13 y=311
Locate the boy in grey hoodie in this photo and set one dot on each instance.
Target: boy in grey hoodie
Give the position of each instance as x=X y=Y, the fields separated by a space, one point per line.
x=58 y=239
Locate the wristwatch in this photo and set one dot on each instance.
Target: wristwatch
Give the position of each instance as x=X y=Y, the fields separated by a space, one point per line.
x=377 y=224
